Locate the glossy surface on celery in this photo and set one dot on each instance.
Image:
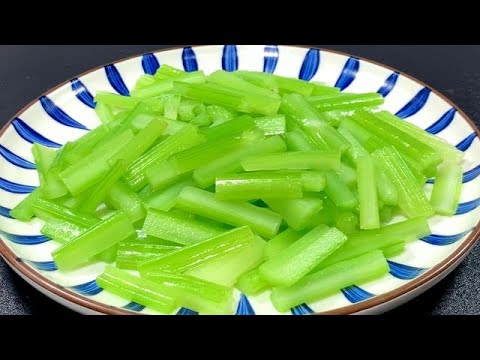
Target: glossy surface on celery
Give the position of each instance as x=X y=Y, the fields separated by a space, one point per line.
x=339 y=192
x=367 y=193
x=48 y=210
x=24 y=210
x=164 y=200
x=296 y=212
x=293 y=161
x=346 y=101
x=130 y=255
x=121 y=197
x=447 y=189
x=281 y=242
x=43 y=157
x=252 y=283
x=62 y=231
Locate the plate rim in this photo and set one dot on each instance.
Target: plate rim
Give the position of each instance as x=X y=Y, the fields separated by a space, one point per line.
x=411 y=288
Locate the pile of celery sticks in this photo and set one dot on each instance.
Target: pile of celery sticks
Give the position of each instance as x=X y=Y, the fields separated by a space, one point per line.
x=195 y=185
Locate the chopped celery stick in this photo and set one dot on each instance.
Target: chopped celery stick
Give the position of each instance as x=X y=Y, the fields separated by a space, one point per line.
x=178 y=229
x=330 y=280
x=411 y=197
x=130 y=255
x=184 y=139
x=386 y=214
x=202 y=119
x=86 y=143
x=53 y=187
x=385 y=188
x=328 y=215
x=104 y=113
x=171 y=107
x=88 y=171
x=356 y=149
x=195 y=294
x=230 y=162
x=219 y=114
x=319 y=160
x=142 y=120
x=186 y=110
x=195 y=255
x=132 y=288
x=48 y=210
x=346 y=101
x=227 y=269
x=280 y=243
x=347 y=222
x=154 y=90
x=447 y=189
x=138 y=112
x=251 y=186
x=92 y=242
x=296 y=141
x=123 y=102
x=43 y=157
x=394 y=250
x=108 y=256
x=121 y=197
x=347 y=174
x=278 y=83
x=263 y=221
x=357 y=131
x=272 y=125
x=296 y=261
x=144 y=81
x=339 y=192
x=168 y=72
x=24 y=210
x=62 y=231
x=296 y=212
x=98 y=194
x=235 y=127
x=367 y=193
x=174 y=126
x=164 y=200
x=252 y=283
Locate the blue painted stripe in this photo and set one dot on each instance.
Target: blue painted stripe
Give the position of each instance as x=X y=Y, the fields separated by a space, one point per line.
x=465 y=144
x=415 y=105
x=355 y=294
x=15 y=159
x=25 y=239
x=150 y=64
x=303 y=309
x=467 y=207
x=5 y=212
x=189 y=60
x=15 y=188
x=389 y=85
x=133 y=306
x=271 y=55
x=404 y=272
x=349 y=73
x=30 y=135
x=115 y=79
x=59 y=115
x=443 y=240
x=310 y=65
x=88 y=289
x=187 y=312
x=44 y=265
x=82 y=93
x=467 y=176
x=230 y=58
x=244 y=306
x=442 y=123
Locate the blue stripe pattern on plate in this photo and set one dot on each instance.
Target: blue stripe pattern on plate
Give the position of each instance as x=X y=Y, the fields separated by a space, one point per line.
x=230 y=58
x=271 y=55
x=465 y=144
x=133 y=306
x=404 y=272
x=88 y=289
x=59 y=115
x=115 y=79
x=29 y=240
x=150 y=64
x=415 y=105
x=355 y=294
x=30 y=135
x=442 y=123
x=186 y=312
x=349 y=73
x=15 y=188
x=82 y=93
x=244 y=306
x=16 y=160
x=444 y=240
x=44 y=265
x=5 y=212
x=389 y=85
x=468 y=206
x=189 y=60
x=303 y=309
x=310 y=65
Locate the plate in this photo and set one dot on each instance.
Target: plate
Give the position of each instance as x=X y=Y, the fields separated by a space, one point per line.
x=67 y=112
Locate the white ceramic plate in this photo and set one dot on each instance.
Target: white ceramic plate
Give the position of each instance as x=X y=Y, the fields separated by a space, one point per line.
x=65 y=113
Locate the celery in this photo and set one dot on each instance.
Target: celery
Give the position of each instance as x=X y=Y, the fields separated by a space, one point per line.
x=123 y=102
x=165 y=200
x=121 y=197
x=272 y=125
x=385 y=187
x=281 y=242
x=43 y=157
x=48 y=210
x=92 y=242
x=219 y=114
x=367 y=194
x=386 y=214
x=144 y=81
x=104 y=113
x=172 y=105
x=235 y=127
x=252 y=283
x=202 y=120
x=394 y=250
x=302 y=256
x=154 y=90
x=356 y=149
x=293 y=161
x=130 y=255
x=263 y=221
x=447 y=189
x=24 y=210
x=62 y=231
x=84 y=145
x=346 y=101
x=330 y=280
x=339 y=193
x=186 y=110
x=296 y=212
x=108 y=256
x=53 y=187
x=347 y=174
x=347 y=222
x=297 y=141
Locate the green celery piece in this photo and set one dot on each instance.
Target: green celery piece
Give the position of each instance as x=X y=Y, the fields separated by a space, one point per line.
x=88 y=171
x=411 y=197
x=387 y=192
x=24 y=210
x=364 y=241
x=367 y=193
x=178 y=229
x=186 y=110
x=232 y=128
x=362 y=135
x=156 y=89
x=281 y=242
x=231 y=162
x=252 y=283
x=100 y=191
x=136 y=113
x=49 y=210
x=108 y=256
x=346 y=101
x=356 y=149
x=62 y=231
x=203 y=203
x=296 y=212
x=195 y=294
x=130 y=255
x=182 y=140
x=104 y=113
x=328 y=215
x=297 y=141
x=347 y=222
x=219 y=114
x=202 y=119
x=43 y=157
x=300 y=258
x=195 y=255
x=132 y=288
x=315 y=160
x=226 y=270
x=172 y=105
x=272 y=125
x=339 y=192
x=92 y=242
x=386 y=214
x=447 y=189
x=164 y=200
x=119 y=101
x=144 y=81
x=168 y=72
x=331 y=280
x=85 y=144
x=142 y=120
x=347 y=174
x=121 y=197
x=53 y=187
x=394 y=250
